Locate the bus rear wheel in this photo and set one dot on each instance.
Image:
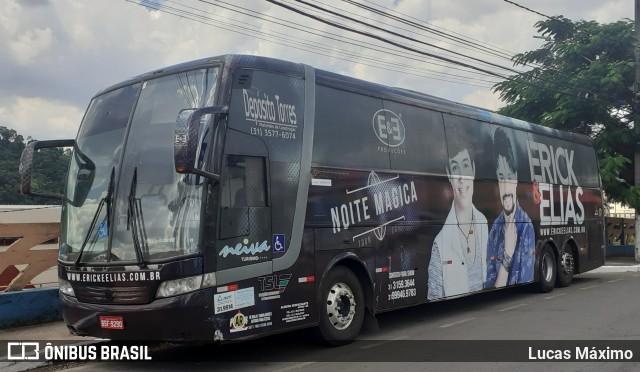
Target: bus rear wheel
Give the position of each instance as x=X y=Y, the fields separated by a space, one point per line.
x=342 y=307
x=546 y=269
x=565 y=267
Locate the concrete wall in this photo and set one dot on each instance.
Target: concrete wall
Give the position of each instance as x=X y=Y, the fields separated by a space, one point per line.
x=620 y=251
x=29 y=306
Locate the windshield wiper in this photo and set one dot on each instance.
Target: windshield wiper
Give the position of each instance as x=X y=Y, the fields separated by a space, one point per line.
x=106 y=200
x=135 y=221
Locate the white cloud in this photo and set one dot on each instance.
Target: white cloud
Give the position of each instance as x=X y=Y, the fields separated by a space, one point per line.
x=89 y=46
x=40 y=118
x=83 y=37
x=8 y=17
x=27 y=46
x=483 y=99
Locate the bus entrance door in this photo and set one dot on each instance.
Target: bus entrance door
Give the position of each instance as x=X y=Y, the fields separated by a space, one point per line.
x=245 y=238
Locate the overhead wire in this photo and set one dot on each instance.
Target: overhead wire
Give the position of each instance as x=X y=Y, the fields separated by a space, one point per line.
x=557 y=18
x=463 y=41
x=157 y=6
x=528 y=9
x=356 y=58
x=396 y=34
x=449 y=34
x=465 y=44
x=415 y=51
x=431 y=33
x=581 y=83
x=584 y=92
x=391 y=42
x=337 y=17
x=578 y=83
x=306 y=28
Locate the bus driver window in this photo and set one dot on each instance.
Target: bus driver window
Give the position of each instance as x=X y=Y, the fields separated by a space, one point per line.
x=245 y=184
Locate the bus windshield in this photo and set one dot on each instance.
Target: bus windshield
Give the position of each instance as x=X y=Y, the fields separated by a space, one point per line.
x=124 y=200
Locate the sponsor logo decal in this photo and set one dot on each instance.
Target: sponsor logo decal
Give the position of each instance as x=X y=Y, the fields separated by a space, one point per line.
x=272 y=286
x=109 y=277
x=234 y=300
x=245 y=248
x=390 y=197
x=555 y=185
x=270 y=115
x=238 y=323
x=389 y=128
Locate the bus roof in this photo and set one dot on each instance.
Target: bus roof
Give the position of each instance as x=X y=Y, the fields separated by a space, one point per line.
x=234 y=61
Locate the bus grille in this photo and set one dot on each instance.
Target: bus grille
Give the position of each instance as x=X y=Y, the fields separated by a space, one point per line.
x=115 y=295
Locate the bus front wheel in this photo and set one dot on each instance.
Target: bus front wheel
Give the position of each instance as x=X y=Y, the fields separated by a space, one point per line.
x=547 y=270
x=342 y=307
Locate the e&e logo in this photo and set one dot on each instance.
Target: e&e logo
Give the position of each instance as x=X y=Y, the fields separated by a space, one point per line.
x=388 y=128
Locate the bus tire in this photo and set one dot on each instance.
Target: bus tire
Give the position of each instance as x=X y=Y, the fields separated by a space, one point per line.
x=341 y=307
x=546 y=269
x=565 y=267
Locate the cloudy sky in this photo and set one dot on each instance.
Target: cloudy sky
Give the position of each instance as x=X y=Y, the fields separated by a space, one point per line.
x=56 y=54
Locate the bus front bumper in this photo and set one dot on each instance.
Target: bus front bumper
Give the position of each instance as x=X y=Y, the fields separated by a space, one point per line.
x=187 y=317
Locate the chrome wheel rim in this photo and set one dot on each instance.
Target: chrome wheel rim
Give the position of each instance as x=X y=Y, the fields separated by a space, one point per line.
x=341 y=306
x=547 y=265
x=567 y=263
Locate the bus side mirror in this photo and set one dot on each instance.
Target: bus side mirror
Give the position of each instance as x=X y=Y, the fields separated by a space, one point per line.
x=26 y=165
x=186 y=144
x=84 y=177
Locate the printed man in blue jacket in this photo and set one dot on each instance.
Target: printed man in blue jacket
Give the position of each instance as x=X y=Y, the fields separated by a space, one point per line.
x=511 y=243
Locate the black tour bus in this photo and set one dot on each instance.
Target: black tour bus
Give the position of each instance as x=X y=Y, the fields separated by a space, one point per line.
x=239 y=196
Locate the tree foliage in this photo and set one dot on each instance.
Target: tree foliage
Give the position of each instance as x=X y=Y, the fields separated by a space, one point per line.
x=581 y=80
x=49 y=170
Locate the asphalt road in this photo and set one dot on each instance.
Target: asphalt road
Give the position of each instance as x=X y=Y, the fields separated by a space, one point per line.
x=492 y=331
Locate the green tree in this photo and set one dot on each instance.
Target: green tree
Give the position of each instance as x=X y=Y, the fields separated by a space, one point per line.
x=581 y=80
x=11 y=144
x=49 y=170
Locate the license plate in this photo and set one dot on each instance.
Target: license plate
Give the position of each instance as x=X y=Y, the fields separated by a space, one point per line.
x=111 y=322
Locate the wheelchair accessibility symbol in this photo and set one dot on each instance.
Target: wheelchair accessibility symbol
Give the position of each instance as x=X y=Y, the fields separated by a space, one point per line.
x=278 y=243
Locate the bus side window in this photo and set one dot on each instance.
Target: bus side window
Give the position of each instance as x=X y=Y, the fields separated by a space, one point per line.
x=256 y=182
x=245 y=184
x=243 y=188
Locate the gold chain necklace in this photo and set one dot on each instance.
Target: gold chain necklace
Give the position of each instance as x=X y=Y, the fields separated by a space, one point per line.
x=466 y=236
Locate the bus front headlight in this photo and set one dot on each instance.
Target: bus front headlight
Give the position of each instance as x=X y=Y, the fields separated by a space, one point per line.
x=66 y=288
x=185 y=285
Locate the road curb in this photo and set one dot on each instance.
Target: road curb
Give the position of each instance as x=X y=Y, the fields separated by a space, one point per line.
x=14 y=366
x=616 y=269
